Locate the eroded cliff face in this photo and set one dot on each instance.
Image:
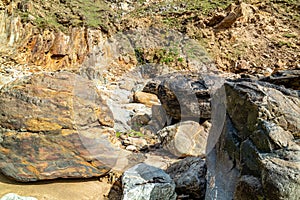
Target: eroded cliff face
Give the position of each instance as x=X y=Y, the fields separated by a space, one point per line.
x=28 y=45
x=27 y=49
x=64 y=35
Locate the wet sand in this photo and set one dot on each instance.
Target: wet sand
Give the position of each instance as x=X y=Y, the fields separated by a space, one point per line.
x=90 y=189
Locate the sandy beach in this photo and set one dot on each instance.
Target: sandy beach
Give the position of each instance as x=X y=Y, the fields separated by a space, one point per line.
x=90 y=189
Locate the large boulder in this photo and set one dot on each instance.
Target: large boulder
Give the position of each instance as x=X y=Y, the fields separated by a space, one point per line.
x=148 y=183
x=259 y=148
x=54 y=126
x=12 y=196
x=186 y=138
x=189 y=176
x=184 y=96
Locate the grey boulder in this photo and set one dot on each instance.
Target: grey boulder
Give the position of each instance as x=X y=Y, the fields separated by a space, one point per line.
x=258 y=149
x=12 y=196
x=145 y=182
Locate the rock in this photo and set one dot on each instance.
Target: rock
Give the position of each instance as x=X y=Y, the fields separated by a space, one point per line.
x=259 y=148
x=242 y=12
x=184 y=139
x=149 y=130
x=123 y=114
x=248 y=187
x=116 y=100
x=159 y=117
x=139 y=120
x=131 y=148
x=12 y=196
x=189 y=176
x=53 y=50
x=160 y=158
x=146 y=98
x=54 y=126
x=139 y=143
x=216 y=19
x=146 y=182
x=287 y=78
x=184 y=96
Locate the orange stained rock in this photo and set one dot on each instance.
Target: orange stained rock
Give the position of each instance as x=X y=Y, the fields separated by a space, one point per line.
x=41 y=124
x=146 y=98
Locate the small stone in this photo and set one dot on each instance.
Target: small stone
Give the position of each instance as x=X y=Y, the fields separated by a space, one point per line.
x=123 y=137
x=31 y=17
x=126 y=142
x=140 y=143
x=242 y=65
x=149 y=130
x=131 y=148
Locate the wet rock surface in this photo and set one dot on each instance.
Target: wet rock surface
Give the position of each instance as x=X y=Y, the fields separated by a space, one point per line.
x=260 y=139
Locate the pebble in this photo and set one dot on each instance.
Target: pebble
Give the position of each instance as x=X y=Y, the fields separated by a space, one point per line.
x=131 y=148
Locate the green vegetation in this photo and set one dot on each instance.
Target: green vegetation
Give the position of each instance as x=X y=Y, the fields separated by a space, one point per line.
x=139 y=54
x=165 y=56
x=133 y=133
x=289 y=35
x=130 y=133
x=118 y=134
x=289 y=6
x=59 y=15
x=93 y=13
x=284 y=43
x=180 y=59
x=179 y=7
x=178 y=12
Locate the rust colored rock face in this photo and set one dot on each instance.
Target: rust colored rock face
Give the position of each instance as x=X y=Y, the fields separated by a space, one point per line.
x=54 y=126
